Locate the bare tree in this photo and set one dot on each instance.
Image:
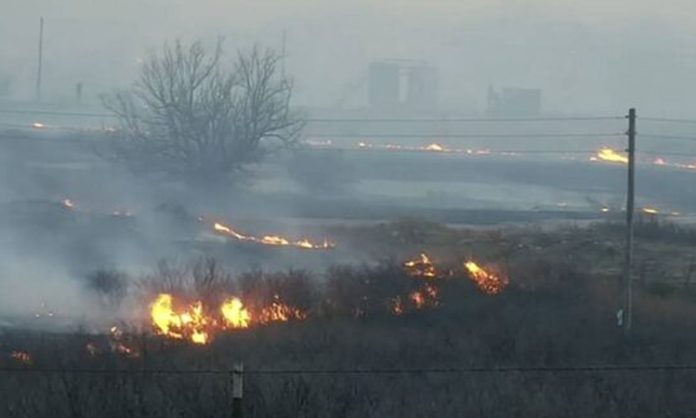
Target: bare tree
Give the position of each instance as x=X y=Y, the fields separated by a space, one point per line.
x=192 y=116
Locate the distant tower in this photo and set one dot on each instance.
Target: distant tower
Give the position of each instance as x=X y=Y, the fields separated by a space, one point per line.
x=384 y=86
x=403 y=86
x=514 y=102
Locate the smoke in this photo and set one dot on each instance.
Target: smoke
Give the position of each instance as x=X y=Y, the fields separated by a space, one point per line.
x=587 y=57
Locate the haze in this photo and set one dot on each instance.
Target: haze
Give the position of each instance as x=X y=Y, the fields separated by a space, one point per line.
x=588 y=57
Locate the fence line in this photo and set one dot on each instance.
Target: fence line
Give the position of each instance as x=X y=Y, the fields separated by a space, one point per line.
x=604 y=368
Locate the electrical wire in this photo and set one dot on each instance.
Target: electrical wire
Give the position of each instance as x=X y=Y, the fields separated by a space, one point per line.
x=480 y=135
x=674 y=137
x=668 y=120
x=357 y=120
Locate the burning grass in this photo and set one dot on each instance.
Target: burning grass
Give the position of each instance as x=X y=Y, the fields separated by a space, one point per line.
x=271 y=240
x=519 y=297
x=557 y=323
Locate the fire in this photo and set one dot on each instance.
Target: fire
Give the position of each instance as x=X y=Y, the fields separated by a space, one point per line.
x=650 y=211
x=197 y=324
x=22 y=357
x=659 y=161
x=38 y=125
x=68 y=203
x=235 y=314
x=396 y=306
x=272 y=240
x=279 y=312
x=434 y=147
x=422 y=267
x=608 y=154
x=191 y=323
x=425 y=297
x=487 y=282
x=92 y=349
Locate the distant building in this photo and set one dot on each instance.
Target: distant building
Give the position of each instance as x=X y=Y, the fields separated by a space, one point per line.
x=5 y=82
x=402 y=86
x=514 y=102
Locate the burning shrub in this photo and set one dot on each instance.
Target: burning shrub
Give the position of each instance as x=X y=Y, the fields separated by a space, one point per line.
x=280 y=296
x=367 y=291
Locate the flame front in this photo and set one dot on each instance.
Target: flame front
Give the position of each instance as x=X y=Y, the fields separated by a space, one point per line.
x=487 y=282
x=273 y=240
x=422 y=267
x=610 y=155
x=191 y=323
x=235 y=314
x=197 y=324
x=279 y=312
x=425 y=297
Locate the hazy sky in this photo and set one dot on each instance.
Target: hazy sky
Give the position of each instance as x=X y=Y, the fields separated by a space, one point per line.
x=589 y=56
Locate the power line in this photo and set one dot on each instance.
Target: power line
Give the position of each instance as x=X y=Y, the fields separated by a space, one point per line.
x=359 y=120
x=675 y=137
x=480 y=135
x=667 y=154
x=55 y=113
x=472 y=152
x=669 y=120
x=455 y=120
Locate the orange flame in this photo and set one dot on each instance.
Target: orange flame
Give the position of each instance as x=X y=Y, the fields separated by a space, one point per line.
x=487 y=282
x=425 y=297
x=198 y=325
x=279 y=312
x=610 y=155
x=191 y=323
x=273 y=240
x=434 y=147
x=235 y=314
x=422 y=267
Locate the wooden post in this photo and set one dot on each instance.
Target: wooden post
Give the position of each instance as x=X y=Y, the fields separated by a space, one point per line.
x=40 y=67
x=237 y=390
x=630 y=202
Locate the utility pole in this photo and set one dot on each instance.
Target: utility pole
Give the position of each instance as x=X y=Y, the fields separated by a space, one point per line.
x=40 y=68
x=630 y=201
x=283 y=52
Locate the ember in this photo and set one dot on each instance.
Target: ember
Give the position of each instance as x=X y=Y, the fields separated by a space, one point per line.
x=22 y=357
x=425 y=297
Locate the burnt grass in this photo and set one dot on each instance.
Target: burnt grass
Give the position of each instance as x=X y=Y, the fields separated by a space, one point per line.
x=559 y=311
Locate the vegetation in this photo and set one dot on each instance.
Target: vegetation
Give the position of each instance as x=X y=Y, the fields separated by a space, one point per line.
x=557 y=312
x=191 y=116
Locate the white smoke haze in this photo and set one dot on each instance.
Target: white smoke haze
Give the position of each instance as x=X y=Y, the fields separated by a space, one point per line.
x=593 y=57
x=588 y=57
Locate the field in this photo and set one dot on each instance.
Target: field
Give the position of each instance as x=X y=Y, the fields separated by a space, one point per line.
x=543 y=344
